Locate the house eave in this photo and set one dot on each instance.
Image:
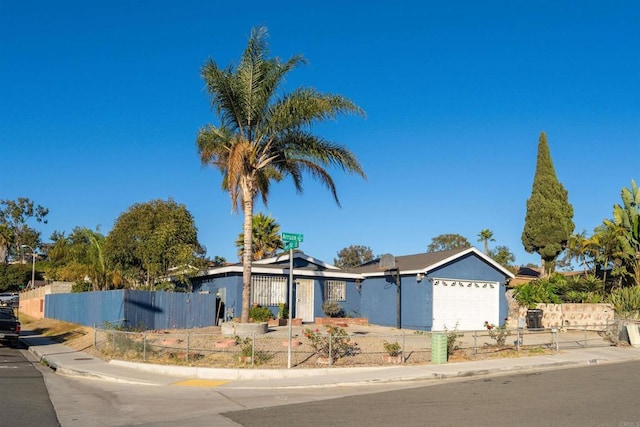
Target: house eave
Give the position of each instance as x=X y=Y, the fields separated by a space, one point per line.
x=283 y=271
x=445 y=261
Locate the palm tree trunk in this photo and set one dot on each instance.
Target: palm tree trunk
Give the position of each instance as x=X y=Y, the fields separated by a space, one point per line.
x=247 y=205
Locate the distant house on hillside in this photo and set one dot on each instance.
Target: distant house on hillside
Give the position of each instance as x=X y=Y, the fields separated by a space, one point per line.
x=525 y=275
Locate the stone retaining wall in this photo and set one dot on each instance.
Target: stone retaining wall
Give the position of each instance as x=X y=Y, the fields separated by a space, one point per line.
x=573 y=315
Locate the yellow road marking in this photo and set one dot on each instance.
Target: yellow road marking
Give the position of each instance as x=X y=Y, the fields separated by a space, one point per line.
x=201 y=383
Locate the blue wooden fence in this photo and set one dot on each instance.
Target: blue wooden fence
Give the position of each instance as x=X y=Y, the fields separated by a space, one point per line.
x=134 y=309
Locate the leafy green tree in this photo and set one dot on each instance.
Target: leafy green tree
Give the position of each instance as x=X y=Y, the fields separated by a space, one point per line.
x=14 y=226
x=265 y=237
x=549 y=219
x=486 y=236
x=445 y=242
x=58 y=256
x=6 y=236
x=264 y=134
x=150 y=241
x=353 y=256
x=502 y=255
x=78 y=257
x=626 y=225
x=14 y=276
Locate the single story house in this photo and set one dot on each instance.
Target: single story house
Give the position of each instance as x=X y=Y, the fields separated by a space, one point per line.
x=315 y=282
x=460 y=288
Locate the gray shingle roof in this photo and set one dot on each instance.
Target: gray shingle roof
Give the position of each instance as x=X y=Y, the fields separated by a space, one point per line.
x=410 y=262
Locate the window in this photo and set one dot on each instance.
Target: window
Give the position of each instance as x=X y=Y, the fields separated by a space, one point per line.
x=268 y=290
x=335 y=290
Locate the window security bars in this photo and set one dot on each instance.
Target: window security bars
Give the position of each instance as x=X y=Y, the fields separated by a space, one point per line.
x=268 y=290
x=335 y=290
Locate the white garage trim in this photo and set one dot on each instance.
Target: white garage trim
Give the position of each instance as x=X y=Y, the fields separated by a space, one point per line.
x=464 y=304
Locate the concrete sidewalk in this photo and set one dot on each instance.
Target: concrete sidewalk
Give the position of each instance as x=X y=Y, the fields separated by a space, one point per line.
x=67 y=361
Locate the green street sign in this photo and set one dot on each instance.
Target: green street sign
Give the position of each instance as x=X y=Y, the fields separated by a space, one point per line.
x=292 y=237
x=291 y=244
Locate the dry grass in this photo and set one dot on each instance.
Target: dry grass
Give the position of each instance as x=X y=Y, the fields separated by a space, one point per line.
x=73 y=335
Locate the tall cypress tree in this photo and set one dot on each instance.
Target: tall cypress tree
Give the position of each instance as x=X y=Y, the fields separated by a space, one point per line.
x=549 y=220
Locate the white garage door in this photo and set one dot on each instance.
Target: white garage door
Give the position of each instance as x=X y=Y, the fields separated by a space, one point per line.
x=465 y=303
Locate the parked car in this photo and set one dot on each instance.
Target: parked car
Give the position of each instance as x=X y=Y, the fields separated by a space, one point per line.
x=9 y=326
x=10 y=299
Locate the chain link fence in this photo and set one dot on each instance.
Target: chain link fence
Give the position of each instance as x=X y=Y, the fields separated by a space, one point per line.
x=358 y=348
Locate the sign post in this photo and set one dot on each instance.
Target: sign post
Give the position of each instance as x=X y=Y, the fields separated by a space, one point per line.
x=291 y=242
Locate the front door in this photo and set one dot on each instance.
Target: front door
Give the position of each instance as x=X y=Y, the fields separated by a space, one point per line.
x=304 y=300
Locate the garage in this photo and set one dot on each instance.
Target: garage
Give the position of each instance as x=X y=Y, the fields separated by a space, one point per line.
x=467 y=304
x=462 y=287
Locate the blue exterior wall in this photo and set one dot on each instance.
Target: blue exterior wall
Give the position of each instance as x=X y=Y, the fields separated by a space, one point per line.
x=351 y=306
x=379 y=302
x=469 y=267
x=417 y=303
x=233 y=289
x=230 y=287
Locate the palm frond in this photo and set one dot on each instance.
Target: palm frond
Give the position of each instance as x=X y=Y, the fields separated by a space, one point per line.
x=225 y=95
x=305 y=106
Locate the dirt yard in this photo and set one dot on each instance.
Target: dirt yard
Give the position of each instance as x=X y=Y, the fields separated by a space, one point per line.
x=370 y=340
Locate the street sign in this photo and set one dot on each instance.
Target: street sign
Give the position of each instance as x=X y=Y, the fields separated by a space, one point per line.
x=292 y=237
x=291 y=244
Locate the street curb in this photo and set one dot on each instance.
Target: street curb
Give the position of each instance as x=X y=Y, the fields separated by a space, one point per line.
x=61 y=360
x=417 y=378
x=75 y=373
x=238 y=374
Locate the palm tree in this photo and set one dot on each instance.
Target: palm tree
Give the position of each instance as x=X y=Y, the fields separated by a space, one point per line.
x=264 y=134
x=486 y=236
x=266 y=237
x=578 y=247
x=95 y=260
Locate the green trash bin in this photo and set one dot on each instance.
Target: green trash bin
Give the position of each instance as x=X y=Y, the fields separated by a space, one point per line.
x=438 y=348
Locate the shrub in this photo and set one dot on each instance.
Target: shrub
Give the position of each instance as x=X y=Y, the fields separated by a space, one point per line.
x=334 y=344
x=626 y=302
x=283 y=312
x=247 y=350
x=558 y=289
x=595 y=298
x=260 y=313
x=498 y=333
x=78 y=287
x=332 y=309
x=537 y=291
x=392 y=348
x=452 y=339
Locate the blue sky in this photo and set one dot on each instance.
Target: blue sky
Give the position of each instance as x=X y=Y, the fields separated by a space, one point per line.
x=100 y=104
